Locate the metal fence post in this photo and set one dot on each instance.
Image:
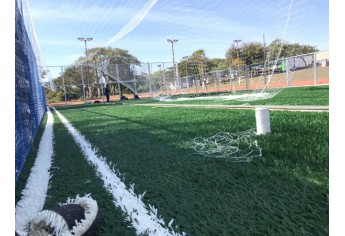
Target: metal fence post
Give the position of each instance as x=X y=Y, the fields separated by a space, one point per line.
x=287 y=73
x=135 y=83
x=64 y=87
x=82 y=80
x=231 y=83
x=315 y=71
x=149 y=73
x=102 y=87
x=165 y=83
x=118 y=80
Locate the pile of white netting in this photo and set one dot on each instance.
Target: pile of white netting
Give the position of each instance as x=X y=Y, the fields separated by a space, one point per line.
x=236 y=147
x=249 y=96
x=164 y=98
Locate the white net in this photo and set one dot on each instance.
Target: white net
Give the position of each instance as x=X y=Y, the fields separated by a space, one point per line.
x=236 y=147
x=222 y=97
x=144 y=27
x=43 y=71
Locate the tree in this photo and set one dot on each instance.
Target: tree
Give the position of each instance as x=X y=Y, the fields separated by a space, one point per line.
x=51 y=96
x=112 y=63
x=107 y=58
x=196 y=64
x=254 y=52
x=71 y=82
x=188 y=67
x=218 y=64
x=234 y=56
x=99 y=66
x=280 y=48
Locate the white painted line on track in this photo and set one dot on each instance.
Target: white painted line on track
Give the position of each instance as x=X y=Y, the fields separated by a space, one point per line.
x=143 y=220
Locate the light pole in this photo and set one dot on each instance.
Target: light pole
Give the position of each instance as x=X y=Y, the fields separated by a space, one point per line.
x=265 y=60
x=86 y=40
x=202 y=76
x=238 y=60
x=172 y=41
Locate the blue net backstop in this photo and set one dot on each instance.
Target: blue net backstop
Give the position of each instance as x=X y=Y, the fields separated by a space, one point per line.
x=30 y=104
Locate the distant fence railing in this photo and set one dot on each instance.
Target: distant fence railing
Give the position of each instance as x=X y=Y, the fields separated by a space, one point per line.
x=30 y=104
x=154 y=79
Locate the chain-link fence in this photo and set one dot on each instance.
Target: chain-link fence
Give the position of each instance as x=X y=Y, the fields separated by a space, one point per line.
x=309 y=69
x=154 y=79
x=30 y=104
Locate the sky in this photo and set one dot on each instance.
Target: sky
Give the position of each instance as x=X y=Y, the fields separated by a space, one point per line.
x=143 y=26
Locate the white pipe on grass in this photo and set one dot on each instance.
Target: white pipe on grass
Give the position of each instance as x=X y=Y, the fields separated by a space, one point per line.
x=262 y=120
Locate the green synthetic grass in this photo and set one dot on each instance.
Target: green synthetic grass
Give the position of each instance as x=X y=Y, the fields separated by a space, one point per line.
x=75 y=176
x=318 y=96
x=285 y=192
x=312 y=95
x=30 y=159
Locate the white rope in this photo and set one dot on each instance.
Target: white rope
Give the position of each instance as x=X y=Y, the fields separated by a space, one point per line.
x=237 y=147
x=132 y=23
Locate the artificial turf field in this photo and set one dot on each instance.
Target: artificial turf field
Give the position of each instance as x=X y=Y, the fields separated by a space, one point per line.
x=284 y=192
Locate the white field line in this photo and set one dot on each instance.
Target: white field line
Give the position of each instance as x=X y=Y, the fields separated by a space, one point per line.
x=143 y=220
x=35 y=191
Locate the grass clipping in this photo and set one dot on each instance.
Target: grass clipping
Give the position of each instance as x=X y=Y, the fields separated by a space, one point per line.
x=236 y=147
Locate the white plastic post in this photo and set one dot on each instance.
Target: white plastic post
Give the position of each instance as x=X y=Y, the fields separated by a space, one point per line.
x=262 y=120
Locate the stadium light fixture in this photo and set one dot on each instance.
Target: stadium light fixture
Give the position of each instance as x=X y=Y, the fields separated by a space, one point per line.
x=85 y=40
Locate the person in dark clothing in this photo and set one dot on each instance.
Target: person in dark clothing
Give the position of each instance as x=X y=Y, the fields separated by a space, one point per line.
x=123 y=98
x=107 y=91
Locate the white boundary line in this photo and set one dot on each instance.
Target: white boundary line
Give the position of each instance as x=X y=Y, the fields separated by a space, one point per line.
x=143 y=220
x=271 y=107
x=35 y=191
